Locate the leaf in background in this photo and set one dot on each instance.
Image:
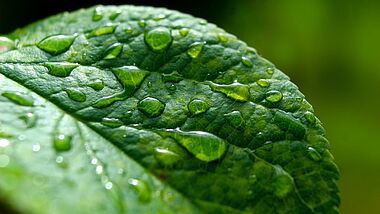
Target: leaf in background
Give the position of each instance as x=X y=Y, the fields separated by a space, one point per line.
x=142 y=110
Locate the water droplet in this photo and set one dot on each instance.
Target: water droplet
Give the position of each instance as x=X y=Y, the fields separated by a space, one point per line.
x=111 y=122
x=30 y=119
x=36 y=147
x=151 y=107
x=158 y=39
x=61 y=162
x=142 y=188
x=108 y=185
x=197 y=106
x=97 y=14
x=158 y=17
x=269 y=70
x=61 y=142
x=172 y=87
x=166 y=157
x=246 y=61
x=99 y=169
x=273 y=96
x=309 y=116
x=202 y=22
x=6 y=44
x=183 y=32
x=108 y=29
x=263 y=83
x=283 y=183
x=94 y=161
x=76 y=95
x=203 y=145
x=235 y=90
x=129 y=30
x=149 y=84
x=173 y=77
x=97 y=85
x=131 y=78
x=60 y=69
x=113 y=51
x=114 y=15
x=57 y=44
x=4 y=161
x=222 y=37
x=195 y=49
x=4 y=143
x=141 y=23
x=235 y=119
x=313 y=154
x=18 y=98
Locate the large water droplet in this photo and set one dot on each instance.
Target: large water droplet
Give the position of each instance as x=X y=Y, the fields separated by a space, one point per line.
x=112 y=122
x=313 y=154
x=235 y=119
x=235 y=90
x=195 y=49
x=62 y=142
x=309 y=116
x=76 y=95
x=246 y=61
x=263 y=83
x=114 y=15
x=142 y=188
x=158 y=39
x=113 y=51
x=4 y=143
x=97 y=14
x=60 y=69
x=283 y=183
x=130 y=77
x=197 y=106
x=151 y=107
x=166 y=157
x=57 y=44
x=97 y=85
x=30 y=119
x=273 y=96
x=6 y=44
x=18 y=98
x=4 y=161
x=108 y=29
x=203 y=145
x=183 y=32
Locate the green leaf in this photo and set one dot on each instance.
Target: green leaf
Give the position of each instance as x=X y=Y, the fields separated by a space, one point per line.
x=143 y=110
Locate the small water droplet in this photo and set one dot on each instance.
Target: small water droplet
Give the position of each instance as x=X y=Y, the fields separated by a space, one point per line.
x=269 y=70
x=283 y=183
x=172 y=87
x=61 y=162
x=197 y=106
x=61 y=142
x=6 y=44
x=222 y=37
x=263 y=83
x=94 y=161
x=108 y=29
x=76 y=95
x=56 y=44
x=121 y=171
x=151 y=107
x=99 y=169
x=183 y=32
x=158 y=39
x=97 y=85
x=235 y=119
x=235 y=90
x=4 y=161
x=97 y=14
x=18 y=98
x=60 y=69
x=30 y=119
x=203 y=145
x=195 y=49
x=114 y=15
x=36 y=147
x=313 y=154
x=111 y=122
x=142 y=23
x=149 y=84
x=166 y=157
x=158 y=17
x=108 y=185
x=142 y=188
x=309 y=116
x=129 y=30
x=246 y=61
x=173 y=77
x=4 y=143
x=202 y=22
x=113 y=51
x=273 y=96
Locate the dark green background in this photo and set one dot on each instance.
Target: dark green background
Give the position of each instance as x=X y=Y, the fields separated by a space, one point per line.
x=329 y=48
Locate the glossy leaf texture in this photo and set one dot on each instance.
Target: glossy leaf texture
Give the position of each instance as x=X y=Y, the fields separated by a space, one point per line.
x=146 y=110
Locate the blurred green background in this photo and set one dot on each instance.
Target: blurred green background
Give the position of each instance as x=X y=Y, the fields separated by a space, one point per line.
x=329 y=48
